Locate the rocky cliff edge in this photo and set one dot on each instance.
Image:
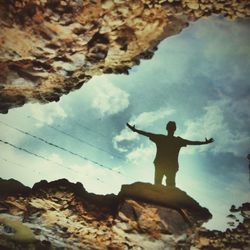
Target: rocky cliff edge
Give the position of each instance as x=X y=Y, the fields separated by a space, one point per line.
x=63 y=215
x=51 y=47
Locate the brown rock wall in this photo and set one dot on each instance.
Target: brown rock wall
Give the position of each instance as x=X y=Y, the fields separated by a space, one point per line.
x=63 y=215
x=51 y=47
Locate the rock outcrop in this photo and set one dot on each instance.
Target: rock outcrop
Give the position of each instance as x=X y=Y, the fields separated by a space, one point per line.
x=63 y=215
x=51 y=47
x=233 y=238
x=169 y=197
x=12 y=187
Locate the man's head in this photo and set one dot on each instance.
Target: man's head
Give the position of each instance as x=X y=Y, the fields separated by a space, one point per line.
x=171 y=127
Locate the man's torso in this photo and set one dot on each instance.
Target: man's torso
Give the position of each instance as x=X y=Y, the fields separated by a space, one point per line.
x=168 y=148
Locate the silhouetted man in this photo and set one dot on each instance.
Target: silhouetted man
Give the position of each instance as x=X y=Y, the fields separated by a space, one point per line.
x=168 y=147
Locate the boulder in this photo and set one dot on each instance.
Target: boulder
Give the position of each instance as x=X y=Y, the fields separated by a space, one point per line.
x=170 y=197
x=12 y=187
x=63 y=215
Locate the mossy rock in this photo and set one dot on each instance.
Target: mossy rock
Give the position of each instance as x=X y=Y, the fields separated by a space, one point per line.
x=15 y=230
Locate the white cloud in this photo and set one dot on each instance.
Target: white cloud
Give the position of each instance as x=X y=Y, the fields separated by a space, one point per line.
x=142 y=155
x=144 y=119
x=151 y=117
x=140 y=162
x=125 y=135
x=107 y=98
x=42 y=114
x=229 y=37
x=47 y=113
x=224 y=50
x=228 y=138
x=55 y=158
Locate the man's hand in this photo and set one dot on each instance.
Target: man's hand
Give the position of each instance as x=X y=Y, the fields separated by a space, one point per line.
x=208 y=141
x=131 y=127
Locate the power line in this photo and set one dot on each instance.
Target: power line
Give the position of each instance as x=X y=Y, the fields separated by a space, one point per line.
x=57 y=146
x=87 y=128
x=15 y=163
x=78 y=139
x=36 y=155
x=29 y=152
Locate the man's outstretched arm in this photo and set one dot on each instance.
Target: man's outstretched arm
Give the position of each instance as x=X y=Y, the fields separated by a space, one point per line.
x=141 y=132
x=207 y=141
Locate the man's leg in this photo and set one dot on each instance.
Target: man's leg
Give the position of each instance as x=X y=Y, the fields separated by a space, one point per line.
x=158 y=175
x=170 y=181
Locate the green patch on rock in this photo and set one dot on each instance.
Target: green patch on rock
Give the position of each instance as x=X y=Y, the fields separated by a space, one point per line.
x=15 y=230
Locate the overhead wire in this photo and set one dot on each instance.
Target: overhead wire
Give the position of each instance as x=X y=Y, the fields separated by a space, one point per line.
x=36 y=155
x=29 y=152
x=56 y=146
x=78 y=139
x=87 y=128
x=17 y=164
x=14 y=163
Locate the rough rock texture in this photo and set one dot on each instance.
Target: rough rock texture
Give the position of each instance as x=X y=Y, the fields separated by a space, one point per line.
x=236 y=238
x=51 y=47
x=12 y=187
x=168 y=197
x=63 y=215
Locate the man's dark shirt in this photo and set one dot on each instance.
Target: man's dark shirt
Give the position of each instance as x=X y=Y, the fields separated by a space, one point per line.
x=168 y=148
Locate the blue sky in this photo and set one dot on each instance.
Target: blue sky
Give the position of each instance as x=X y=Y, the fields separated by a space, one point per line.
x=199 y=78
